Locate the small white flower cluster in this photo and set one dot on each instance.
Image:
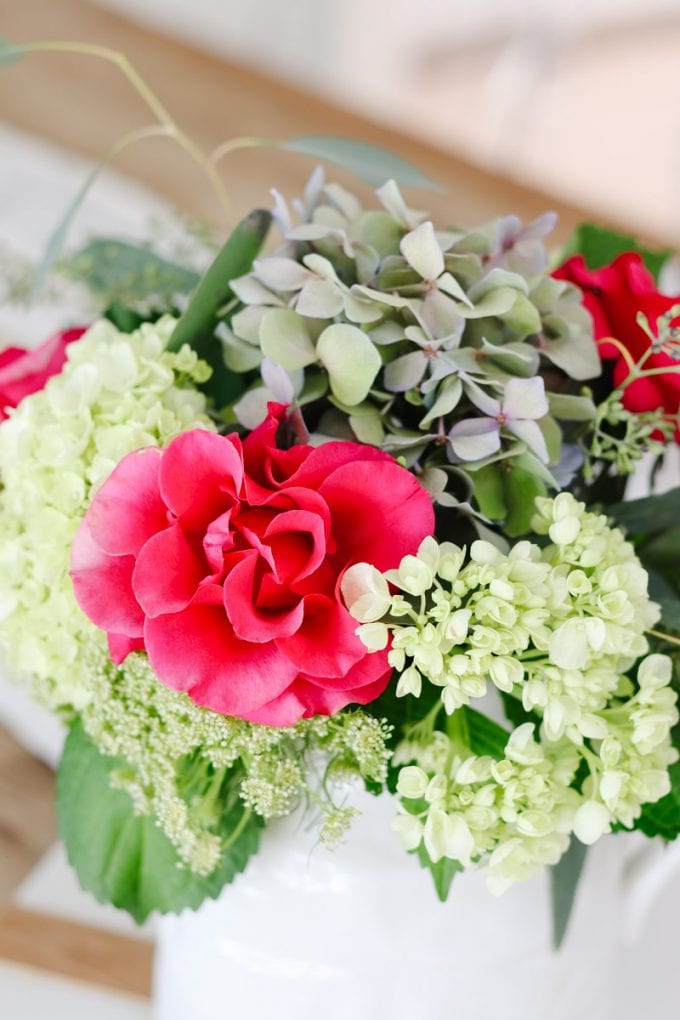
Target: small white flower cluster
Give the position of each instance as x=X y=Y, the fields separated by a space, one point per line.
x=558 y=628
x=117 y=392
x=178 y=758
x=519 y=811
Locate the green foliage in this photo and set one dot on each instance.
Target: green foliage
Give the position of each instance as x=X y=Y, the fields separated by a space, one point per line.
x=599 y=246
x=443 y=872
x=10 y=52
x=129 y=273
x=663 y=817
x=369 y=162
x=125 y=859
x=564 y=879
x=198 y=323
x=471 y=731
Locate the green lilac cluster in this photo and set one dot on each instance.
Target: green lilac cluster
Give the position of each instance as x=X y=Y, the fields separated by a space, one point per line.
x=117 y=392
x=413 y=333
x=178 y=758
x=558 y=627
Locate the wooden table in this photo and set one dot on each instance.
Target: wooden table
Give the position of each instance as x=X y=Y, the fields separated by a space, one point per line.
x=85 y=104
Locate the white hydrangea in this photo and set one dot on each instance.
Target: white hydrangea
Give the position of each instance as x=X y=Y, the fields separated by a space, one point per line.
x=558 y=628
x=516 y=814
x=117 y=392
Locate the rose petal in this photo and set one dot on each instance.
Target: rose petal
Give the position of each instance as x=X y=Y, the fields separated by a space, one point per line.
x=250 y=621
x=325 y=644
x=197 y=651
x=380 y=513
x=201 y=475
x=102 y=586
x=128 y=509
x=167 y=573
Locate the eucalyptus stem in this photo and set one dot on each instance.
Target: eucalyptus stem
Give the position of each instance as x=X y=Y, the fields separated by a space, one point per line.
x=232 y=144
x=149 y=97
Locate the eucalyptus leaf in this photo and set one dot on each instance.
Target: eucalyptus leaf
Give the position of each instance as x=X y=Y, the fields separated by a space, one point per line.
x=369 y=162
x=130 y=272
x=124 y=858
x=10 y=52
x=564 y=879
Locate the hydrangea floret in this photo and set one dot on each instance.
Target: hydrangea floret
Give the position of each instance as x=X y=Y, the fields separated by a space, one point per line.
x=116 y=393
x=558 y=627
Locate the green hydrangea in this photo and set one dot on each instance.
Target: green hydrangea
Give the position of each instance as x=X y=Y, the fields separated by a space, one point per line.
x=559 y=627
x=117 y=392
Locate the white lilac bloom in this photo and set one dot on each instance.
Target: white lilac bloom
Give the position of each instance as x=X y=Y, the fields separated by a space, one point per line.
x=522 y=405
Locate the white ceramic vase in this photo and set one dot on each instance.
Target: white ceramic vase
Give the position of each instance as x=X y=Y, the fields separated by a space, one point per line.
x=358 y=934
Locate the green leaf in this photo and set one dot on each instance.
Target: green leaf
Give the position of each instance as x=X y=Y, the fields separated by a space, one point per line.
x=521 y=489
x=443 y=872
x=128 y=272
x=570 y=407
x=489 y=491
x=369 y=162
x=123 y=858
x=599 y=246
x=670 y=613
x=663 y=817
x=564 y=878
x=233 y=260
x=10 y=52
x=648 y=515
x=486 y=737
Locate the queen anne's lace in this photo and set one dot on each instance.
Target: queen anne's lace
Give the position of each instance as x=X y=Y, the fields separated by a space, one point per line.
x=117 y=392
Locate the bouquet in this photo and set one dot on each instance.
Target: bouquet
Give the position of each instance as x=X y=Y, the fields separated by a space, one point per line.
x=349 y=509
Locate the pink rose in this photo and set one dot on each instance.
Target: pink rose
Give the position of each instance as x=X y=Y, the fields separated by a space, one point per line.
x=24 y=372
x=223 y=561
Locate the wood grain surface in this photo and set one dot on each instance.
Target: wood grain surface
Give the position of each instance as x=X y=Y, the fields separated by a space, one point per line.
x=85 y=104
x=76 y=951
x=27 y=815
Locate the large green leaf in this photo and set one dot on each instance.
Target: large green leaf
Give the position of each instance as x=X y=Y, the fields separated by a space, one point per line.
x=564 y=878
x=648 y=515
x=123 y=858
x=599 y=246
x=369 y=162
x=663 y=818
x=199 y=321
x=127 y=272
x=213 y=292
x=10 y=52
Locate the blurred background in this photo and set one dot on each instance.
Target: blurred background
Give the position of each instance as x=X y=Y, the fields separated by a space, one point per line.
x=512 y=105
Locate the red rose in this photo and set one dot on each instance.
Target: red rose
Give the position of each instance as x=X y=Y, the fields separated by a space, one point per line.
x=24 y=372
x=614 y=295
x=224 y=559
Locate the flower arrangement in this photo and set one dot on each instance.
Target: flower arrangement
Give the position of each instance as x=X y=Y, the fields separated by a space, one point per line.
x=350 y=510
